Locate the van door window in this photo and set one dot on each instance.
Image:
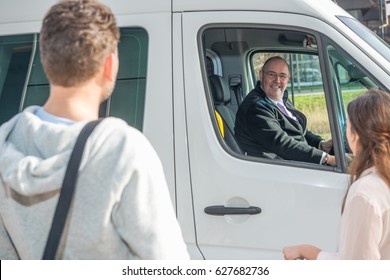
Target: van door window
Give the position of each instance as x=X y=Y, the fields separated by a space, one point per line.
x=23 y=82
x=128 y=99
x=349 y=80
x=242 y=53
x=322 y=82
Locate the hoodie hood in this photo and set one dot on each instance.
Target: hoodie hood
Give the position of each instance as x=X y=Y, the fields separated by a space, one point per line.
x=28 y=166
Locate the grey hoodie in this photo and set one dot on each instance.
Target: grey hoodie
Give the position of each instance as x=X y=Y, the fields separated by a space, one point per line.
x=121 y=208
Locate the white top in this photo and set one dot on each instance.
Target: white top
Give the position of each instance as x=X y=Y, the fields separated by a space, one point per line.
x=365 y=223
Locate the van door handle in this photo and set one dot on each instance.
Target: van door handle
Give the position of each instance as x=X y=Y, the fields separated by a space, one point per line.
x=220 y=210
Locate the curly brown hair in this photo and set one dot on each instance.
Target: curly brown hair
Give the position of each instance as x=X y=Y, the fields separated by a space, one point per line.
x=76 y=37
x=369 y=118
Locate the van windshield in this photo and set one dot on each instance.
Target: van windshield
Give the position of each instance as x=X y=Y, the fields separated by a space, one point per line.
x=367 y=35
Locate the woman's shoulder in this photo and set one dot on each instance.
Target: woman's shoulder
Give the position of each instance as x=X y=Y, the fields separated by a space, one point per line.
x=370 y=179
x=371 y=187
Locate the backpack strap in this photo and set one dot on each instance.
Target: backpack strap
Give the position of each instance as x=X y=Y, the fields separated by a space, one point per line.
x=67 y=191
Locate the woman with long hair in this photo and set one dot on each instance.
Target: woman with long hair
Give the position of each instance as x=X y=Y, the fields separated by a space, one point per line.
x=365 y=221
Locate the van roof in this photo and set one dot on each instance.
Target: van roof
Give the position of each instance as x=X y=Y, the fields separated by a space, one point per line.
x=308 y=7
x=33 y=11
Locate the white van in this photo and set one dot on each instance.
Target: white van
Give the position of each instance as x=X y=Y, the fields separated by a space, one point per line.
x=229 y=205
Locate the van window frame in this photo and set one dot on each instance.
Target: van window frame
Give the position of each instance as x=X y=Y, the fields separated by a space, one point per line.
x=201 y=48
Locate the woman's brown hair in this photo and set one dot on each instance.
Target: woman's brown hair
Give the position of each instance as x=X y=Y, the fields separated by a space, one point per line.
x=369 y=118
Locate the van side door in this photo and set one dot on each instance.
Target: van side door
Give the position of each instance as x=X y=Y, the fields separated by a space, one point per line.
x=247 y=207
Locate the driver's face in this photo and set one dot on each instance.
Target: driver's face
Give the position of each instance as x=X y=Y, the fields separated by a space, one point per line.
x=275 y=78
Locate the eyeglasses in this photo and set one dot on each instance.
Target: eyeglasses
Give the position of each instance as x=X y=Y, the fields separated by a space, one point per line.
x=274 y=75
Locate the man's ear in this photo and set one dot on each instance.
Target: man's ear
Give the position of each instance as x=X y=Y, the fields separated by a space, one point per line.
x=109 y=67
x=260 y=75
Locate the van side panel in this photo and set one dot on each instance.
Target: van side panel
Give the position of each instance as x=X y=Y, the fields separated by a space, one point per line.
x=28 y=11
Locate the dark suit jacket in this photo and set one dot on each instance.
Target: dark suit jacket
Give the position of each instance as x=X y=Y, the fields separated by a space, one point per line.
x=263 y=130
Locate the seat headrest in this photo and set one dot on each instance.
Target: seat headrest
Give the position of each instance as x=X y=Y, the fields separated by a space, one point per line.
x=220 y=89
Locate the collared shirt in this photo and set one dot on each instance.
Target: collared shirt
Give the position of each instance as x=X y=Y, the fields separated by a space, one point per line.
x=283 y=107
